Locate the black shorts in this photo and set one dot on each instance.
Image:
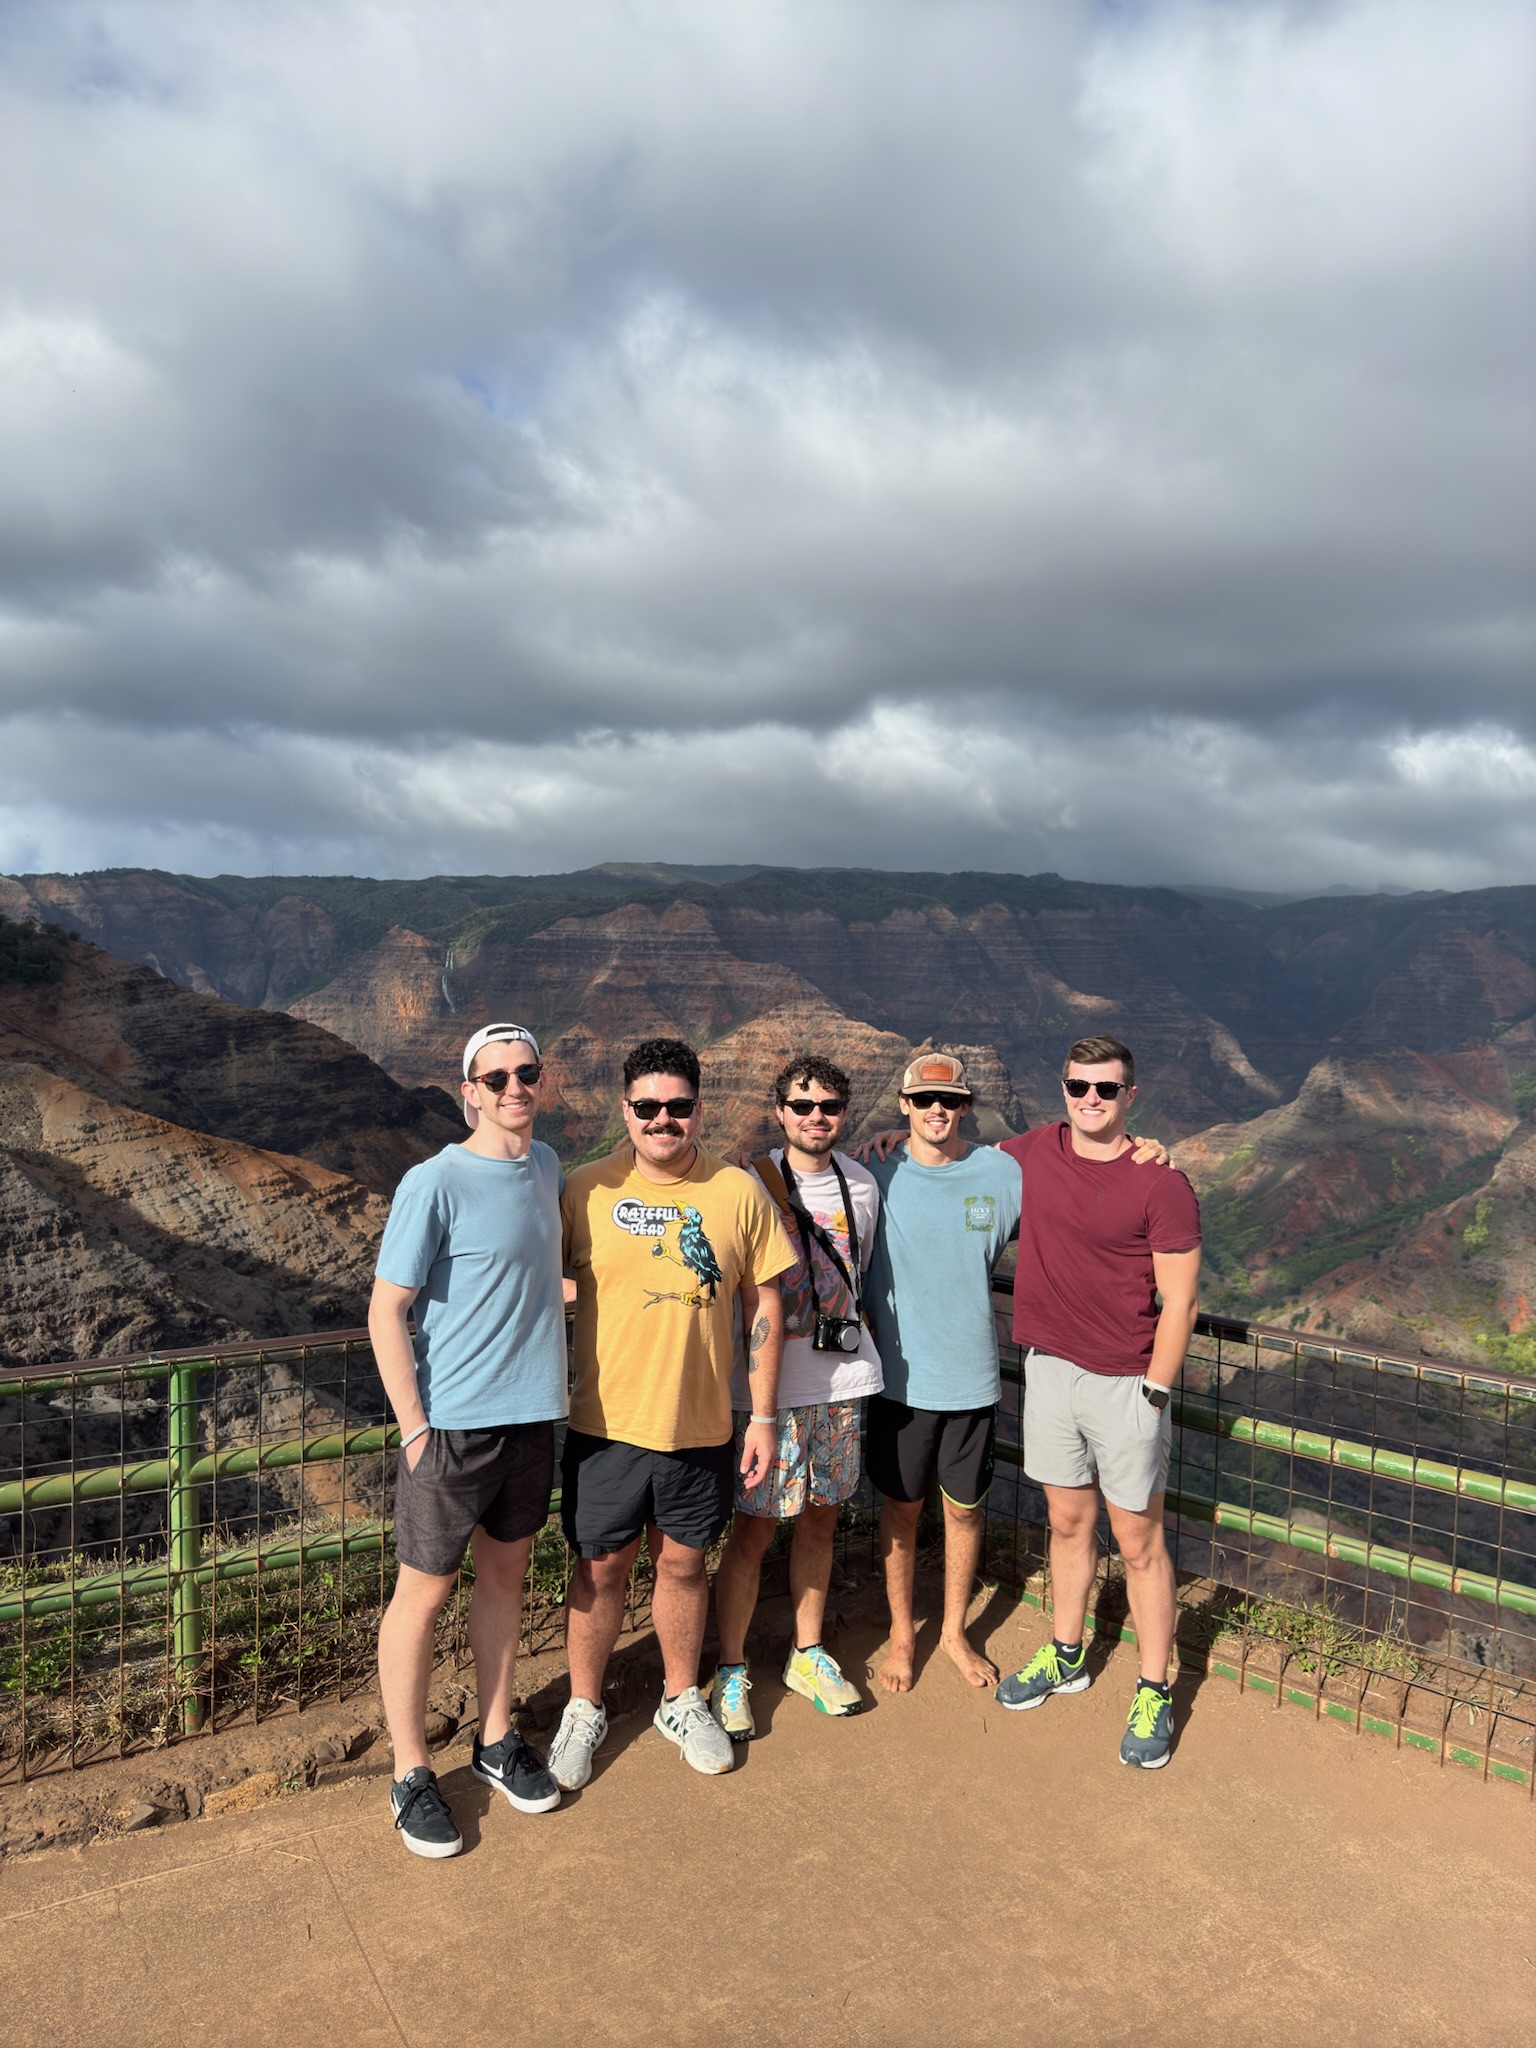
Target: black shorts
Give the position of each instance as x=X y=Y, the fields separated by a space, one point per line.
x=904 y=1448
x=498 y=1480
x=609 y=1491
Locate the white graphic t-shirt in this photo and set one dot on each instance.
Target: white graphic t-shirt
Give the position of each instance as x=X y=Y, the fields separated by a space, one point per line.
x=810 y=1376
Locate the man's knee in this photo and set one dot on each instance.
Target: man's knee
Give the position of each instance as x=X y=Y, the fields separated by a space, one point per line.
x=1140 y=1541
x=817 y=1523
x=1072 y=1511
x=751 y=1536
x=679 y=1565
x=501 y=1566
x=421 y=1593
x=603 y=1574
x=901 y=1514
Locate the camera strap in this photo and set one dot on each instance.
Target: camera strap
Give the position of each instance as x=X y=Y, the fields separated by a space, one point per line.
x=809 y=1228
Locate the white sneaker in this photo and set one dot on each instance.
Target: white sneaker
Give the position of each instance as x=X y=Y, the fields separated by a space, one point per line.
x=582 y=1728
x=688 y=1722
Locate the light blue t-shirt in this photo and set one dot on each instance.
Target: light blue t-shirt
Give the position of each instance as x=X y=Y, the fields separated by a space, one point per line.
x=929 y=1291
x=480 y=1239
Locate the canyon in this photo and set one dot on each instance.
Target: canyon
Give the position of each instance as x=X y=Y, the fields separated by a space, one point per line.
x=1349 y=1081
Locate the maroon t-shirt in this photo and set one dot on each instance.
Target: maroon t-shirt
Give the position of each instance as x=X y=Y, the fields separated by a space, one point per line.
x=1084 y=1288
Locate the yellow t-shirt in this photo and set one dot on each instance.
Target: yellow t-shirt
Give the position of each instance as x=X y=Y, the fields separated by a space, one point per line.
x=657 y=1268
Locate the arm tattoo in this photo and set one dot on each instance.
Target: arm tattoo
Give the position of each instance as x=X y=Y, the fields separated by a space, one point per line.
x=758 y=1340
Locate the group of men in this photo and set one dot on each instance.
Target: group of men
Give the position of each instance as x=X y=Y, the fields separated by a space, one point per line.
x=730 y=1323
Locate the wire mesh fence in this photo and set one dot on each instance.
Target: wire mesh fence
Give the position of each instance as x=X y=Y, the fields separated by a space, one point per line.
x=1353 y=1531
x=198 y=1538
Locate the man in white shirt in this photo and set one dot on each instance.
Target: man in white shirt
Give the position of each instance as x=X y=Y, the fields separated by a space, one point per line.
x=829 y=1205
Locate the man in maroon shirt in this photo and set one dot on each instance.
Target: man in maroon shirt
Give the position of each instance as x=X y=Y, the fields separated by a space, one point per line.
x=1099 y=1242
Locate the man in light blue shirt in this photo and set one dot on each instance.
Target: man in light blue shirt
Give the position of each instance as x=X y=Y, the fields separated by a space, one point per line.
x=473 y=1244
x=947 y=1212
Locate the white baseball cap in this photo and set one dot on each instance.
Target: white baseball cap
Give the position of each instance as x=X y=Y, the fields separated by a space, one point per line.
x=493 y=1034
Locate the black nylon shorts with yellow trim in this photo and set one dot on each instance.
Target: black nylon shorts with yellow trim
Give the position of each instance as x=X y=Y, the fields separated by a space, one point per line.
x=906 y=1448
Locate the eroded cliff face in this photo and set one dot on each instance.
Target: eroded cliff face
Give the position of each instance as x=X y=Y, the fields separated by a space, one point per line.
x=257 y=1077
x=176 y=1171
x=1390 y=1201
x=119 y=1231
x=1342 y=1072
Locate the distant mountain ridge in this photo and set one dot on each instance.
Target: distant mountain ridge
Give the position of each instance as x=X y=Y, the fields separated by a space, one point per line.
x=1310 y=1054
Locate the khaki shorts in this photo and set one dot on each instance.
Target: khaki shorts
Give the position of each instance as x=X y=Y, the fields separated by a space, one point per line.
x=1093 y=1428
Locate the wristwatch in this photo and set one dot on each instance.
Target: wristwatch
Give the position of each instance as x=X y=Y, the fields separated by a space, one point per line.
x=1158 y=1396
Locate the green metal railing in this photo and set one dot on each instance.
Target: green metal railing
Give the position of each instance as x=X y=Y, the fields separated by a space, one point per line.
x=1425 y=1480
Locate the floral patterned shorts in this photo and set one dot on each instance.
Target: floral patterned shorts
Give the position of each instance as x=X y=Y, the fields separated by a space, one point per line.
x=815 y=1463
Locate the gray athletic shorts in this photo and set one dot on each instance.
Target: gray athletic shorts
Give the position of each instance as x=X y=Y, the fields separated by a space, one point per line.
x=1085 y=1428
x=498 y=1480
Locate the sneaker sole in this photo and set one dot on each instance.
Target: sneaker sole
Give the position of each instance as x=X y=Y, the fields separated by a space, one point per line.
x=832 y=1713
x=433 y=1851
x=523 y=1805
x=704 y=1770
x=574 y=1783
x=1023 y=1706
x=1147 y=1763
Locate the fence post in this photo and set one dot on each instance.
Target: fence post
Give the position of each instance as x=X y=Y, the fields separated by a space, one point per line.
x=186 y=1547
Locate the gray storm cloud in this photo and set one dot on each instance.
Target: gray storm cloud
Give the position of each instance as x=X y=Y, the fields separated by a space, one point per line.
x=1085 y=436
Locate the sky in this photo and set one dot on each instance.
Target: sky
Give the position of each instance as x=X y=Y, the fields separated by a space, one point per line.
x=500 y=437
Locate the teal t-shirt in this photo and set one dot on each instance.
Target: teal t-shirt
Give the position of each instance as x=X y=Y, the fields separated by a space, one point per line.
x=480 y=1239
x=929 y=1292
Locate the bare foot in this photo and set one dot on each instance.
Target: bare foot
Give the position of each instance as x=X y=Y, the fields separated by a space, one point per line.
x=971 y=1665
x=895 y=1674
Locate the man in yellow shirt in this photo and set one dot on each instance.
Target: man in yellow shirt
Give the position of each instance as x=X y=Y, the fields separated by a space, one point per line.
x=662 y=1239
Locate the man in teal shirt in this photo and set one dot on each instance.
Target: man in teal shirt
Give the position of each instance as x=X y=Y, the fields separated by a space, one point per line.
x=947 y=1211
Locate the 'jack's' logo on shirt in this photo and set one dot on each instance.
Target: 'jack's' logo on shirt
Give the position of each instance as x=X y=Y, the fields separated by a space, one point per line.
x=980 y=1212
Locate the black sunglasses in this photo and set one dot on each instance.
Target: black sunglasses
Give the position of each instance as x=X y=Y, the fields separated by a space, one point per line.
x=1106 y=1090
x=832 y=1105
x=925 y=1098
x=497 y=1080
x=680 y=1106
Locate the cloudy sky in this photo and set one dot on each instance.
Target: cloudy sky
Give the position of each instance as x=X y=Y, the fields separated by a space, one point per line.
x=1079 y=434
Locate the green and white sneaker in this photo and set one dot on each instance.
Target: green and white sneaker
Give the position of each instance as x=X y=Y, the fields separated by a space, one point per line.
x=1045 y=1673
x=819 y=1679
x=1148 y=1733
x=703 y=1742
x=728 y=1701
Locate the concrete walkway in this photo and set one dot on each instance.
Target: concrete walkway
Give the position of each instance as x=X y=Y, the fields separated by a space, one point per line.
x=933 y=1871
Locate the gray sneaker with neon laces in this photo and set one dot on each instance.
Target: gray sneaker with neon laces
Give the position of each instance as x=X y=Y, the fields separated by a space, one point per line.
x=728 y=1701
x=1148 y=1736
x=703 y=1742
x=1044 y=1674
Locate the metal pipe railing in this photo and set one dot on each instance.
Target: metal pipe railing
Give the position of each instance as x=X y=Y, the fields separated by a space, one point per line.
x=1280 y=1361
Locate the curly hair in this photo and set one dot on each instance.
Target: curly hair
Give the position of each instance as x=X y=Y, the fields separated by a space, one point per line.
x=810 y=1066
x=662 y=1056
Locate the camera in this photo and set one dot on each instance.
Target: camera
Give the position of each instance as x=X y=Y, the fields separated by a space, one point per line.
x=835 y=1333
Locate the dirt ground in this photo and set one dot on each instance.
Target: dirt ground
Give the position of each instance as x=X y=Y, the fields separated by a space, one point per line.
x=934 y=1870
